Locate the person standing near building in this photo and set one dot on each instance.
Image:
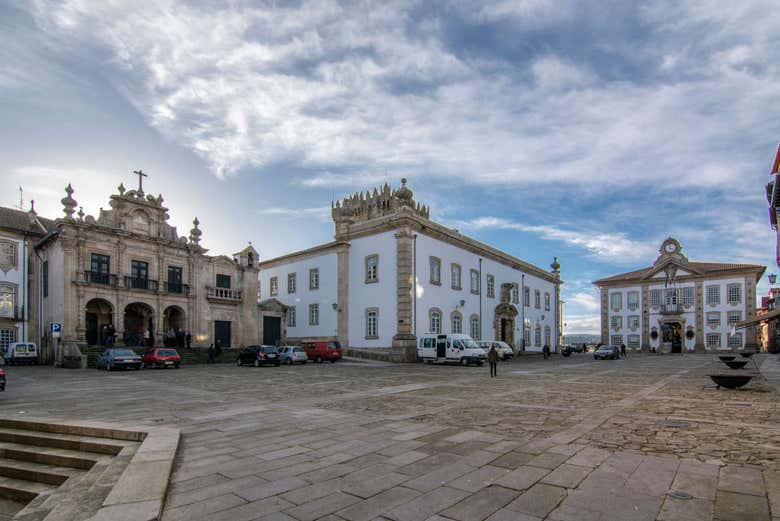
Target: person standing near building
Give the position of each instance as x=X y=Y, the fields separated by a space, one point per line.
x=493 y=361
x=211 y=353
x=188 y=340
x=546 y=351
x=623 y=350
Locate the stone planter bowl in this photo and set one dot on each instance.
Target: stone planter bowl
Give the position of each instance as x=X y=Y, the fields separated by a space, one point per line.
x=736 y=364
x=727 y=358
x=730 y=381
x=747 y=355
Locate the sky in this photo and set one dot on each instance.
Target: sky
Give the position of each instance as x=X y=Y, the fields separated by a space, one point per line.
x=589 y=131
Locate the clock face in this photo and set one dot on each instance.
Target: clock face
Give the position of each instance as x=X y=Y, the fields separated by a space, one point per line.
x=670 y=247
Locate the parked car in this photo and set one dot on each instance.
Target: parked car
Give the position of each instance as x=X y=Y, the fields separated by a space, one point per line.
x=119 y=358
x=505 y=351
x=607 y=352
x=2 y=380
x=259 y=355
x=322 y=350
x=293 y=355
x=161 y=357
x=21 y=353
x=454 y=347
x=568 y=349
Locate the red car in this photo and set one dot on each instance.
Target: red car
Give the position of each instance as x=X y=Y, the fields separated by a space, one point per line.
x=2 y=380
x=322 y=350
x=162 y=357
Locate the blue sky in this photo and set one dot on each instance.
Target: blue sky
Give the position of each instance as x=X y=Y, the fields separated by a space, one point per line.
x=584 y=130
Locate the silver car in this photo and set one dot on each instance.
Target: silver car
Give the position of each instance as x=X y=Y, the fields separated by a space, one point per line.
x=293 y=355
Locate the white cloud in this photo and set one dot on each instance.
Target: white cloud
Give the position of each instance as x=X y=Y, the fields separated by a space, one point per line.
x=615 y=247
x=321 y=213
x=576 y=324
x=552 y=72
x=586 y=301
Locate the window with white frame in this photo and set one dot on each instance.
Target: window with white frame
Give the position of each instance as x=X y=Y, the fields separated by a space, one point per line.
x=713 y=319
x=372 y=323
x=435 y=270
x=655 y=298
x=616 y=322
x=7 y=300
x=616 y=301
x=514 y=292
x=537 y=299
x=455 y=275
x=273 y=286
x=527 y=333
x=372 y=269
x=491 y=286
x=547 y=301
x=314 y=314
x=314 y=278
x=713 y=295
x=7 y=255
x=291 y=316
x=633 y=342
x=734 y=293
x=457 y=322
x=527 y=297
x=434 y=321
x=474 y=282
x=538 y=336
x=7 y=336
x=616 y=340
x=633 y=322
x=475 y=327
x=734 y=317
x=547 y=336
x=687 y=296
x=735 y=340
x=713 y=340
x=632 y=300
x=291 y=283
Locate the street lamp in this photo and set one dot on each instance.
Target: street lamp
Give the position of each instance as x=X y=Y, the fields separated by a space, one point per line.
x=772 y=278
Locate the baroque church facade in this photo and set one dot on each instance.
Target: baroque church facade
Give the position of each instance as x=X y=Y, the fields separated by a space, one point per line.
x=677 y=305
x=128 y=268
x=392 y=274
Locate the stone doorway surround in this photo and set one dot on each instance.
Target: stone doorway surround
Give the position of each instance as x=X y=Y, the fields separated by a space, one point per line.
x=505 y=315
x=667 y=345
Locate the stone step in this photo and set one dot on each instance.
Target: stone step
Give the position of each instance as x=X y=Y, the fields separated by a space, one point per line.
x=42 y=473
x=62 y=441
x=50 y=455
x=93 y=430
x=21 y=489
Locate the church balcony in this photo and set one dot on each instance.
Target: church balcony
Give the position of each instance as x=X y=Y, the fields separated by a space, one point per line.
x=140 y=283
x=176 y=288
x=672 y=309
x=224 y=294
x=94 y=277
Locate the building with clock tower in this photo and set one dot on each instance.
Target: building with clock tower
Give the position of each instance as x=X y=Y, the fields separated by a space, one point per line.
x=677 y=305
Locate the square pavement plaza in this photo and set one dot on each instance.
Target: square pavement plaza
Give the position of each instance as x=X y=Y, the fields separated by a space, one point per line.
x=564 y=440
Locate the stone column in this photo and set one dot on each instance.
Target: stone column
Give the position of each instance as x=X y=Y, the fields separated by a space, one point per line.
x=404 y=348
x=604 y=316
x=698 y=307
x=645 y=303
x=751 y=343
x=342 y=296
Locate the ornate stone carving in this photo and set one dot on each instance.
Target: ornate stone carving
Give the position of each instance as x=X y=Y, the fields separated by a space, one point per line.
x=195 y=232
x=363 y=207
x=69 y=204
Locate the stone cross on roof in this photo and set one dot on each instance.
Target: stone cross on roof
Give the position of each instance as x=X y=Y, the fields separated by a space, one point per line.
x=141 y=175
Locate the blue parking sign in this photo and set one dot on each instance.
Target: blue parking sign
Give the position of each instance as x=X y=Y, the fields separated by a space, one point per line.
x=56 y=327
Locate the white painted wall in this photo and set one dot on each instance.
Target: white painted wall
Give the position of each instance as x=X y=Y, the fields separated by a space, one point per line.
x=448 y=299
x=15 y=277
x=325 y=296
x=382 y=294
x=624 y=312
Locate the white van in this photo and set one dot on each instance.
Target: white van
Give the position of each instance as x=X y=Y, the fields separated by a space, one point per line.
x=456 y=348
x=21 y=353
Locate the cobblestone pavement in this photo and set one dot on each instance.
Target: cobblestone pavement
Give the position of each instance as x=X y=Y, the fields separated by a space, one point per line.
x=565 y=439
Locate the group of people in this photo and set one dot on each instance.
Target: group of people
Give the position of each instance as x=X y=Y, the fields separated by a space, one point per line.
x=178 y=338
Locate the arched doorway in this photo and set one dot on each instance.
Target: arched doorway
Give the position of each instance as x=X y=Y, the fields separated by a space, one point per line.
x=504 y=323
x=139 y=318
x=98 y=314
x=174 y=326
x=672 y=334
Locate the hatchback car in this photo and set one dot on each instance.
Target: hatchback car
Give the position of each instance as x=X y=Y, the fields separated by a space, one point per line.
x=259 y=355
x=606 y=352
x=293 y=355
x=505 y=352
x=158 y=357
x=2 y=380
x=111 y=359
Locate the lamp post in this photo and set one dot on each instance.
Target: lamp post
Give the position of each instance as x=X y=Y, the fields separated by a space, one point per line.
x=522 y=312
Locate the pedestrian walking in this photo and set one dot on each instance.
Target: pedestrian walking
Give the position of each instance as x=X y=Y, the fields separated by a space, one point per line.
x=218 y=348
x=623 y=350
x=493 y=361
x=147 y=338
x=188 y=340
x=546 y=351
x=211 y=352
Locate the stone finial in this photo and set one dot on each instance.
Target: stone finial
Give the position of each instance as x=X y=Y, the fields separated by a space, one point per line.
x=121 y=189
x=81 y=213
x=195 y=232
x=32 y=211
x=69 y=204
x=556 y=267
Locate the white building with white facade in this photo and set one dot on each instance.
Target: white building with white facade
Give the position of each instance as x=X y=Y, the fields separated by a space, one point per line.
x=392 y=274
x=679 y=305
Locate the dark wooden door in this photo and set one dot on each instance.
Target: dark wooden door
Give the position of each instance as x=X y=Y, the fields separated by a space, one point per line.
x=91 y=321
x=441 y=346
x=222 y=333
x=272 y=330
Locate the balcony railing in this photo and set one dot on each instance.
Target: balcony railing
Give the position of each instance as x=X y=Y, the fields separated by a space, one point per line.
x=224 y=294
x=177 y=288
x=671 y=308
x=140 y=283
x=94 y=277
